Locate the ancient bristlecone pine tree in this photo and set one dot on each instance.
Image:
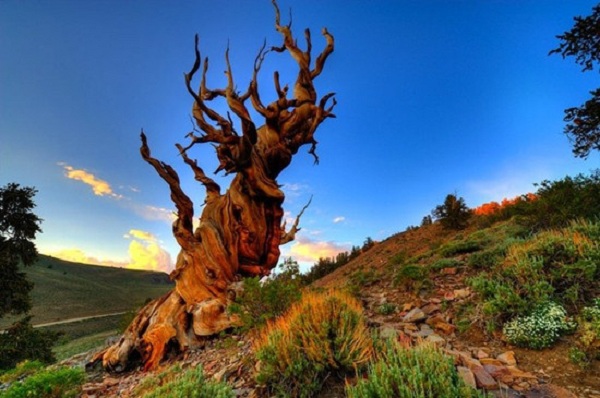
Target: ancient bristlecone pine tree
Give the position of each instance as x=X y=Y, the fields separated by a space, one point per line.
x=240 y=231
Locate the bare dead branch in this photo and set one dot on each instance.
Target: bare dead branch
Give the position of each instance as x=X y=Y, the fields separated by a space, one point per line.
x=289 y=236
x=320 y=62
x=213 y=189
x=182 y=227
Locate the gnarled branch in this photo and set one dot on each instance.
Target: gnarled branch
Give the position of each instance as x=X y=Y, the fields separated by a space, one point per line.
x=182 y=227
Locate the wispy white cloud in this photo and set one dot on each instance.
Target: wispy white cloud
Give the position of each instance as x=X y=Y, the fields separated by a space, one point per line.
x=99 y=187
x=507 y=183
x=153 y=213
x=339 y=219
x=294 y=190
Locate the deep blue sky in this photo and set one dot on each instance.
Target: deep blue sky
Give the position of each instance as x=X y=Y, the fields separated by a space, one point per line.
x=434 y=97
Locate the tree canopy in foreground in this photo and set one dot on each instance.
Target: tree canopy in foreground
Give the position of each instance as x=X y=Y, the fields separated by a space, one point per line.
x=583 y=43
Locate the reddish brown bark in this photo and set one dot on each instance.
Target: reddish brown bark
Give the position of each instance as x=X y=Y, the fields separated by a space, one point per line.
x=241 y=230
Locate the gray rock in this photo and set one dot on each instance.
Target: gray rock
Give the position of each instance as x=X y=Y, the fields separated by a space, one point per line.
x=415 y=315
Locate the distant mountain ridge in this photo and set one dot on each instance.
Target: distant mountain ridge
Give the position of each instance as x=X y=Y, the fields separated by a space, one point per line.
x=64 y=290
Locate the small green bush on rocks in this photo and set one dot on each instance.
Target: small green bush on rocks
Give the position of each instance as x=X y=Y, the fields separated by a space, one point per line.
x=190 y=384
x=420 y=372
x=48 y=383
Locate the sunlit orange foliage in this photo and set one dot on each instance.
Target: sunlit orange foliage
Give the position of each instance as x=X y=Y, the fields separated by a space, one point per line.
x=323 y=332
x=490 y=208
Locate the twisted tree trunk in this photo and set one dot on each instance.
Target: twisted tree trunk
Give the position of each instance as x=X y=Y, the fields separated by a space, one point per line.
x=240 y=231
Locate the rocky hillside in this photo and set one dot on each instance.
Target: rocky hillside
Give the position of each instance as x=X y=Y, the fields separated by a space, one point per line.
x=414 y=287
x=442 y=308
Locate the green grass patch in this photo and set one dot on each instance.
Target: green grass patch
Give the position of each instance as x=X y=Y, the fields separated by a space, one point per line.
x=445 y=263
x=461 y=247
x=82 y=344
x=412 y=277
x=64 y=290
x=175 y=382
x=47 y=383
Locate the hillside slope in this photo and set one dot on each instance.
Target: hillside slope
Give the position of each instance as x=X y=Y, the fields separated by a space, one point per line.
x=429 y=269
x=64 y=290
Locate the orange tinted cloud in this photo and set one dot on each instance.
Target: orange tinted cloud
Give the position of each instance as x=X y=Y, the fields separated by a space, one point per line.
x=306 y=250
x=100 y=187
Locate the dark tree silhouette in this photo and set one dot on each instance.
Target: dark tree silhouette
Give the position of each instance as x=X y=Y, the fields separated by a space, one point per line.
x=453 y=214
x=240 y=231
x=18 y=227
x=583 y=43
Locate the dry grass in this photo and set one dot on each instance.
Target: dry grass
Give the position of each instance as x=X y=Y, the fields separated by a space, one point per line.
x=324 y=333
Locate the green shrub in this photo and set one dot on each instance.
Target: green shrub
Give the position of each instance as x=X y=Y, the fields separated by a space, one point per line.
x=589 y=330
x=462 y=247
x=411 y=276
x=501 y=299
x=398 y=258
x=360 y=279
x=21 y=371
x=559 y=202
x=567 y=259
x=49 y=383
x=556 y=265
x=21 y=341
x=323 y=334
x=445 y=263
x=386 y=309
x=485 y=259
x=578 y=357
x=190 y=383
x=541 y=329
x=421 y=372
x=261 y=301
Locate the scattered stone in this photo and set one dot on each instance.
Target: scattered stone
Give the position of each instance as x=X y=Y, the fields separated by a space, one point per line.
x=454 y=355
x=467 y=376
x=515 y=372
x=491 y=361
x=481 y=354
x=438 y=323
x=111 y=381
x=449 y=296
x=423 y=332
x=467 y=360
x=507 y=358
x=461 y=293
x=435 y=340
x=484 y=379
x=497 y=371
x=431 y=308
x=415 y=315
x=449 y=271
